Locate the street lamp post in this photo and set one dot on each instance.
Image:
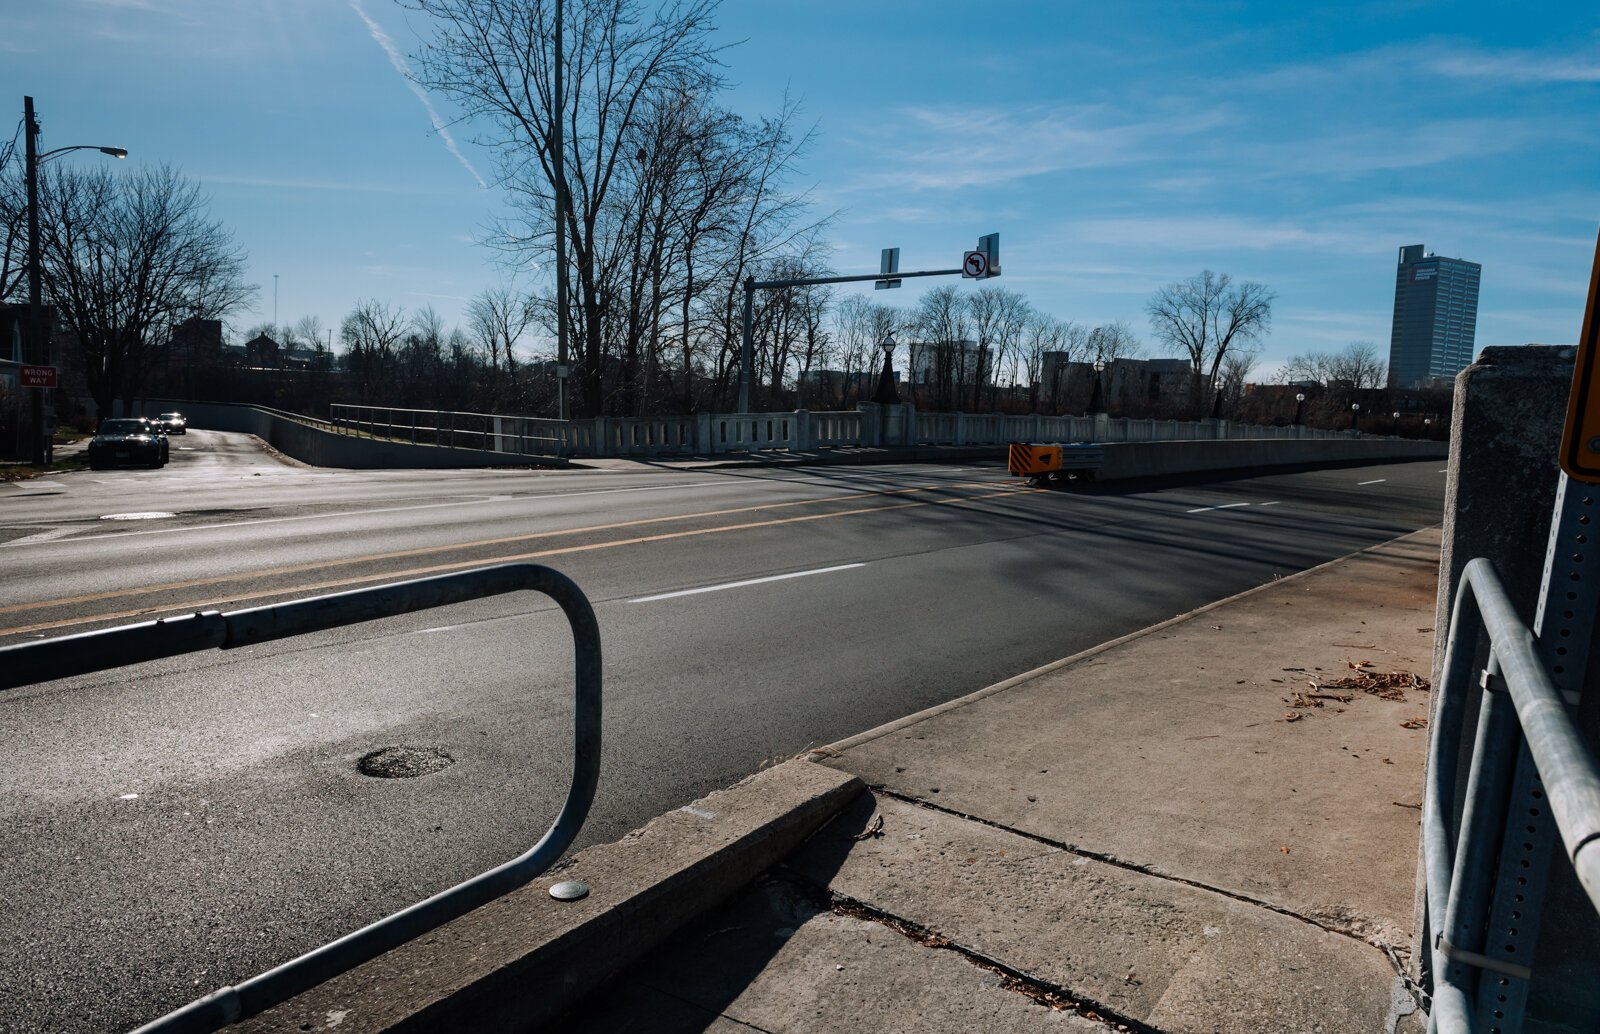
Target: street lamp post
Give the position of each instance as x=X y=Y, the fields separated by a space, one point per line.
x=1355 y=413
x=886 y=393
x=38 y=348
x=1395 y=430
x=1299 y=408
x=1097 y=396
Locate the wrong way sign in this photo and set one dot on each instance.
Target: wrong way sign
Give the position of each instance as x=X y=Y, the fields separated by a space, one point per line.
x=37 y=376
x=975 y=265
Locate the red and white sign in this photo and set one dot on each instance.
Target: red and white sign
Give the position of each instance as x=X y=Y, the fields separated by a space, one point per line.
x=975 y=265
x=38 y=376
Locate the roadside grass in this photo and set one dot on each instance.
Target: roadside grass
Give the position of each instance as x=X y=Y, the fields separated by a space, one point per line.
x=23 y=472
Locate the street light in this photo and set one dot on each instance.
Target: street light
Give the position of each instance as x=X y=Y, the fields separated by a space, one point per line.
x=1355 y=412
x=1299 y=408
x=37 y=346
x=1395 y=430
x=886 y=394
x=1097 y=397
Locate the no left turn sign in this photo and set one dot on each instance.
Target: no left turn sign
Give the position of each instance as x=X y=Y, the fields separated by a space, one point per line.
x=975 y=265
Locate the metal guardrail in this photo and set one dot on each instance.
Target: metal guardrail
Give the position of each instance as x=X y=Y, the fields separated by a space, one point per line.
x=168 y=637
x=1521 y=710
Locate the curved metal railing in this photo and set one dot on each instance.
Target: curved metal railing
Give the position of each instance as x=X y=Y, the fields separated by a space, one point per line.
x=114 y=647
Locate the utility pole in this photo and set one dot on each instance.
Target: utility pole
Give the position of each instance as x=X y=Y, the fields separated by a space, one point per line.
x=275 y=306
x=38 y=348
x=558 y=160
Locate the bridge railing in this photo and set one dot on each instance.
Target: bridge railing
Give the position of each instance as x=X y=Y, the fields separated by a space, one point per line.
x=1480 y=983
x=67 y=656
x=791 y=430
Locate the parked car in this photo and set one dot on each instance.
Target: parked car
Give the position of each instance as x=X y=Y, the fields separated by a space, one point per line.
x=127 y=441
x=172 y=423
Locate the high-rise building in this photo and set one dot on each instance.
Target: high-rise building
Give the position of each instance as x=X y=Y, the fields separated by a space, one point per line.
x=1435 y=318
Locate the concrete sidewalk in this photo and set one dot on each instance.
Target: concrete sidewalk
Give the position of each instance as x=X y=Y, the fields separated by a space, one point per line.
x=1189 y=829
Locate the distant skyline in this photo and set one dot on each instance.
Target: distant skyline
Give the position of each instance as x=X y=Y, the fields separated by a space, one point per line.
x=1115 y=148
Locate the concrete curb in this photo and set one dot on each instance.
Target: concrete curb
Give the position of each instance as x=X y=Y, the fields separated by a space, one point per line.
x=835 y=749
x=523 y=960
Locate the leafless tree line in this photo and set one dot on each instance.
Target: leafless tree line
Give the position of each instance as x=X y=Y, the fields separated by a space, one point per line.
x=125 y=257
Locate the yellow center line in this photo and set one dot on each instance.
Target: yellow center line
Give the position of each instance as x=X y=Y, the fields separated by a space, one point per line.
x=454 y=547
x=418 y=572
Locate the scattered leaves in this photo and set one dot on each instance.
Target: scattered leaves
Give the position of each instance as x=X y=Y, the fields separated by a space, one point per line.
x=1292 y=716
x=1414 y=723
x=1402 y=804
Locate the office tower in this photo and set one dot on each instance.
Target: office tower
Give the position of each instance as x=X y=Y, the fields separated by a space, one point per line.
x=1435 y=318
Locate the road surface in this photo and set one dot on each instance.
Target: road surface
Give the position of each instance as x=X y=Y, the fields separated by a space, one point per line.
x=191 y=822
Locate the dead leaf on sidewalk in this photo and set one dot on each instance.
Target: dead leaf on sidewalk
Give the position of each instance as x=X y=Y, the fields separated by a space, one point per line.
x=1402 y=804
x=1292 y=716
x=874 y=830
x=1414 y=723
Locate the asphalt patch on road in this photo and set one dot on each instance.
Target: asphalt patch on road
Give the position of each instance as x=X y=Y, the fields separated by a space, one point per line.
x=404 y=762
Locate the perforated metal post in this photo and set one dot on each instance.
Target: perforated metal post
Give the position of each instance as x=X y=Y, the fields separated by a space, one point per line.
x=1563 y=624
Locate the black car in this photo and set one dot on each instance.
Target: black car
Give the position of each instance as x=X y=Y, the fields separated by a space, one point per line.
x=127 y=441
x=172 y=423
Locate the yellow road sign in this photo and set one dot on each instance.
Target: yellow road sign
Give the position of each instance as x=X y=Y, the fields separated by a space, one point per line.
x=1580 y=444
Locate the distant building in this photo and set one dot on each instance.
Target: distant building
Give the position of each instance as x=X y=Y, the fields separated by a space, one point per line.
x=1435 y=317
x=261 y=350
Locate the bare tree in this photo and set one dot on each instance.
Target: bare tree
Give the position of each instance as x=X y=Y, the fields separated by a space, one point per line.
x=13 y=221
x=371 y=335
x=1205 y=316
x=498 y=318
x=1356 y=366
x=998 y=317
x=126 y=258
x=497 y=59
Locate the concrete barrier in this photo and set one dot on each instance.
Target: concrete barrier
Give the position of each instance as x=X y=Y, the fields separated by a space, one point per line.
x=1151 y=459
x=301 y=438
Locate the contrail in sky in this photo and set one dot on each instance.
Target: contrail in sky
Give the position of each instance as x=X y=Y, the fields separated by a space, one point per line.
x=399 y=62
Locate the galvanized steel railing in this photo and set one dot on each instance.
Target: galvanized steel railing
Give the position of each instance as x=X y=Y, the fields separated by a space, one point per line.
x=1521 y=708
x=168 y=637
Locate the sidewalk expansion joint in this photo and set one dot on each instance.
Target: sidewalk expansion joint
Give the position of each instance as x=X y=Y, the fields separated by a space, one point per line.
x=1112 y=860
x=1043 y=992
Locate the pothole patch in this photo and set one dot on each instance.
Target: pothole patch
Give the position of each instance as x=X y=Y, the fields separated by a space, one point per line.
x=404 y=762
x=143 y=515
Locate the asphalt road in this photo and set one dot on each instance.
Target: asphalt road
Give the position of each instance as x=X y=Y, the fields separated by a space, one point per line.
x=188 y=823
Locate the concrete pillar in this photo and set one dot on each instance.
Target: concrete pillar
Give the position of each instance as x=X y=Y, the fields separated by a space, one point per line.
x=913 y=435
x=498 y=431
x=961 y=429
x=702 y=434
x=1505 y=436
x=871 y=424
x=802 y=430
x=602 y=445
x=1102 y=427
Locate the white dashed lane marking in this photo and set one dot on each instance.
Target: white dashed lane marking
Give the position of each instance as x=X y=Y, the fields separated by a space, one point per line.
x=1224 y=506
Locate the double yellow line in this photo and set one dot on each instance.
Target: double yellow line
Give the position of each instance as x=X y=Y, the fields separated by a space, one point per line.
x=417 y=572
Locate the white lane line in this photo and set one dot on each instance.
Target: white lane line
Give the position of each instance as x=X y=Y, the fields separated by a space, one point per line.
x=1224 y=506
x=43 y=536
x=1275 y=502
x=1379 y=481
x=473 y=501
x=1444 y=471
x=748 y=581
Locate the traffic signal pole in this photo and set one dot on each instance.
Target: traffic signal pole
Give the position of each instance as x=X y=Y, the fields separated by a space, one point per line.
x=989 y=246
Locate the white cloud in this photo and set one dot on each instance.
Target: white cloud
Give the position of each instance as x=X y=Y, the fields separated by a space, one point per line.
x=1517 y=66
x=399 y=62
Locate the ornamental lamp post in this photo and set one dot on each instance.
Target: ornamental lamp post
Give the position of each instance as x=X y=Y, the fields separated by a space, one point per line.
x=1097 y=396
x=1299 y=408
x=1355 y=413
x=886 y=393
x=38 y=348
x=1395 y=430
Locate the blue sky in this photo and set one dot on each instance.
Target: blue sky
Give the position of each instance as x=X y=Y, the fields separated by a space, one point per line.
x=1115 y=147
